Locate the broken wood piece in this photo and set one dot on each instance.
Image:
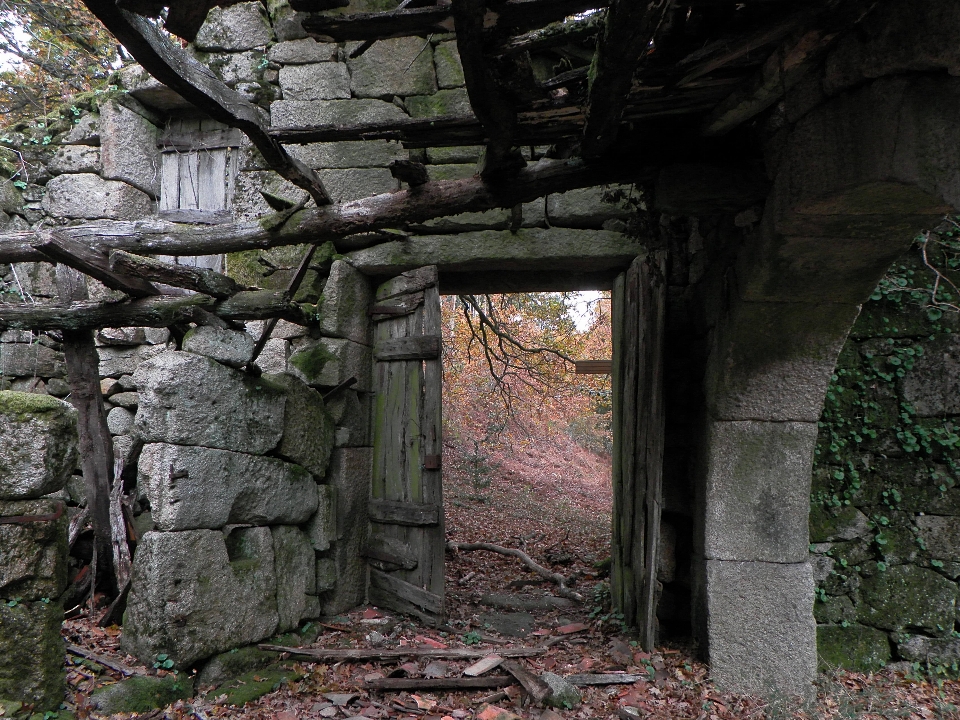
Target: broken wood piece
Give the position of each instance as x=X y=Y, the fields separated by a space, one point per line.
x=485 y=665
x=537 y=688
x=417 y=347
x=91 y=262
x=106 y=662
x=603 y=679
x=393 y=655
x=480 y=683
x=495 y=697
x=345 y=385
x=395 y=512
x=572 y=628
x=201 y=280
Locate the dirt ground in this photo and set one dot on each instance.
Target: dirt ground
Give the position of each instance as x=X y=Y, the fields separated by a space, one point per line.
x=554 y=503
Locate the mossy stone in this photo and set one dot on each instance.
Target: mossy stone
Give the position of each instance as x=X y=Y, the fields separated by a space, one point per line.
x=836 y=609
x=142 y=693
x=908 y=597
x=255 y=684
x=854 y=647
x=442 y=103
x=31 y=653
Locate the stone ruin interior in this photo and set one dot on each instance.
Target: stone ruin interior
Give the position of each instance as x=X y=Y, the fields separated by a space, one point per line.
x=232 y=265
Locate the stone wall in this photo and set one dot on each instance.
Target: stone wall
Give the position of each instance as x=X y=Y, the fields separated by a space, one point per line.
x=38 y=451
x=885 y=509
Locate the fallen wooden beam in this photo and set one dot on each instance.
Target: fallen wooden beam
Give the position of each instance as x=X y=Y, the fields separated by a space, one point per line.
x=603 y=679
x=201 y=280
x=196 y=83
x=336 y=222
x=160 y=311
x=393 y=655
x=537 y=688
x=479 y=683
x=628 y=32
x=559 y=33
x=93 y=263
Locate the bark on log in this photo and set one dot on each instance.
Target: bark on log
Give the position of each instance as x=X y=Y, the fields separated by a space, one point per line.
x=93 y=263
x=434 y=199
x=96 y=446
x=175 y=68
x=162 y=311
x=201 y=280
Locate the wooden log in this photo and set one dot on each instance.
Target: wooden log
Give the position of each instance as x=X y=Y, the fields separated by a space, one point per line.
x=559 y=33
x=201 y=280
x=537 y=688
x=93 y=263
x=196 y=83
x=629 y=28
x=396 y=654
x=336 y=223
x=603 y=679
x=480 y=683
x=543 y=572
x=162 y=311
x=485 y=665
x=488 y=99
x=95 y=443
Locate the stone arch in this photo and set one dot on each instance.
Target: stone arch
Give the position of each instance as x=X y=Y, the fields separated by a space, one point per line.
x=856 y=178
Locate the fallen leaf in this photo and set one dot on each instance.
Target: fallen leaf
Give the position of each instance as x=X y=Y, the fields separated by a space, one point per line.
x=572 y=628
x=370 y=614
x=436 y=644
x=423 y=703
x=492 y=712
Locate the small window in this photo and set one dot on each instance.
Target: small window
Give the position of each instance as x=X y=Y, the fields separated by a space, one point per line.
x=198 y=165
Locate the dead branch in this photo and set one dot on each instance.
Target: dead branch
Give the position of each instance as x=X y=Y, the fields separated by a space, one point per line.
x=556 y=578
x=362 y=654
x=106 y=662
x=482 y=683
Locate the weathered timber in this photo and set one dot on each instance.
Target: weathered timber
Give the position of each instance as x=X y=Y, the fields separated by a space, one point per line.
x=479 y=683
x=162 y=311
x=93 y=263
x=726 y=51
x=403 y=305
x=186 y=140
x=780 y=73
x=403 y=513
x=537 y=688
x=488 y=99
x=418 y=597
x=566 y=78
x=629 y=29
x=196 y=83
x=515 y=14
x=421 y=347
x=603 y=679
x=109 y=663
x=95 y=443
x=435 y=199
x=393 y=655
x=558 y=33
x=201 y=280
x=594 y=367
x=485 y=665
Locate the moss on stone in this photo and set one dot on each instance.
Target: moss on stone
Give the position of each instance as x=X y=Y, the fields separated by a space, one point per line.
x=31 y=653
x=311 y=361
x=853 y=647
x=142 y=693
x=255 y=684
x=906 y=596
x=444 y=102
x=25 y=404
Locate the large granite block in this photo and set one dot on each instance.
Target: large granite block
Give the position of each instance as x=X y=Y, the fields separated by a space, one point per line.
x=296 y=565
x=318 y=81
x=38 y=445
x=240 y=27
x=34 y=561
x=349 y=154
x=285 y=113
x=31 y=654
x=308 y=430
x=397 y=66
x=347 y=295
x=194 y=487
x=19 y=359
x=327 y=362
x=195 y=594
x=89 y=196
x=349 y=476
x=757 y=492
x=128 y=148
x=189 y=399
x=761 y=634
x=932 y=387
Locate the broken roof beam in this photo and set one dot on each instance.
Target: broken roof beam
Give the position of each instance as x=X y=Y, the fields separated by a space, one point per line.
x=335 y=222
x=197 y=279
x=487 y=97
x=570 y=29
x=518 y=15
x=89 y=261
x=628 y=32
x=196 y=83
x=159 y=311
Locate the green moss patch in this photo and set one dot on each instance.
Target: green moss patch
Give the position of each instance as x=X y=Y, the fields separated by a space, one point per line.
x=255 y=684
x=142 y=694
x=854 y=647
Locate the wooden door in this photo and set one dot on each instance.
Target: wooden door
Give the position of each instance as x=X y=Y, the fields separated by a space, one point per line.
x=405 y=548
x=639 y=300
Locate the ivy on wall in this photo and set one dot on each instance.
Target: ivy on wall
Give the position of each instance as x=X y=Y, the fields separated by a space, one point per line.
x=887 y=456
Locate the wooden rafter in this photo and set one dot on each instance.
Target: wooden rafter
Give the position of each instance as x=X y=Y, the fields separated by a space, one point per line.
x=332 y=222
x=487 y=98
x=517 y=15
x=175 y=68
x=629 y=29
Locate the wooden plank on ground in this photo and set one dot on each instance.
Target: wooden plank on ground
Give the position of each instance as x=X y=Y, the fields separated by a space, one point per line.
x=419 y=597
x=485 y=665
x=495 y=681
x=396 y=654
x=537 y=688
